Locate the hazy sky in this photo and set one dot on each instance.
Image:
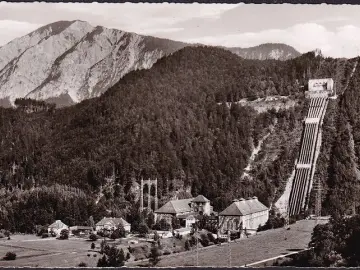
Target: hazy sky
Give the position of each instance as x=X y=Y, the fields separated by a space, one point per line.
x=333 y=29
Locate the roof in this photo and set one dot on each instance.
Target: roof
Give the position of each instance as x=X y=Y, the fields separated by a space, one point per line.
x=183 y=230
x=175 y=207
x=201 y=199
x=186 y=215
x=58 y=224
x=244 y=207
x=113 y=222
x=81 y=228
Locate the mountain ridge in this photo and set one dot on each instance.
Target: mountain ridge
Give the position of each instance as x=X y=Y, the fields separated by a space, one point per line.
x=67 y=62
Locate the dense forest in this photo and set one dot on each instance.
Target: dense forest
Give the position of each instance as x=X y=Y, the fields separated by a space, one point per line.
x=171 y=122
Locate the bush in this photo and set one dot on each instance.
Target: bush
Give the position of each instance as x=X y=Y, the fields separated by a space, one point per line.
x=92 y=246
x=204 y=240
x=187 y=245
x=143 y=229
x=64 y=234
x=45 y=235
x=10 y=256
x=82 y=264
x=41 y=230
x=211 y=237
x=93 y=237
x=166 y=252
x=127 y=256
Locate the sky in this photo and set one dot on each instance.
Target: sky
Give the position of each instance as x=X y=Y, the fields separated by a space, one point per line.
x=335 y=29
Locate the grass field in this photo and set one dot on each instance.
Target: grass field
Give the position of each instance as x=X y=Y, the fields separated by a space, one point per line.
x=49 y=252
x=264 y=245
x=34 y=251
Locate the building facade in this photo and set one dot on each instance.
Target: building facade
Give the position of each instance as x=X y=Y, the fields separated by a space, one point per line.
x=248 y=214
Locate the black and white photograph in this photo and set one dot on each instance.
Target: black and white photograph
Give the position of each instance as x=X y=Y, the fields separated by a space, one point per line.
x=179 y=135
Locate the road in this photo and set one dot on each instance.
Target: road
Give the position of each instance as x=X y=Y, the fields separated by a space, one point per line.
x=257 y=248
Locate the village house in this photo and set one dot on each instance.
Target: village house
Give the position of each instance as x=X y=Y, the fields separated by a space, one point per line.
x=250 y=213
x=186 y=210
x=112 y=224
x=57 y=227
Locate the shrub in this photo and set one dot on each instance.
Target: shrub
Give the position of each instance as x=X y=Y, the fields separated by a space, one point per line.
x=64 y=234
x=127 y=256
x=82 y=264
x=10 y=256
x=45 y=235
x=166 y=252
x=95 y=255
x=93 y=237
x=41 y=230
x=204 y=240
x=143 y=229
x=187 y=245
x=92 y=246
x=88 y=255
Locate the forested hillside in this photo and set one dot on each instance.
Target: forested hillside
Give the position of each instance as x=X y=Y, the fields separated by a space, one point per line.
x=169 y=122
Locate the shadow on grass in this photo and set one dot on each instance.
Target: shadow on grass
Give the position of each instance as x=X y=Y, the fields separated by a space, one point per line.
x=294 y=249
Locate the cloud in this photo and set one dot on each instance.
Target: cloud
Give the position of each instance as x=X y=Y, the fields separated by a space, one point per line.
x=343 y=42
x=17 y=29
x=334 y=29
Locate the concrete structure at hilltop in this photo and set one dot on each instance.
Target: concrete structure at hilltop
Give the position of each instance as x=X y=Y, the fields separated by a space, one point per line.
x=186 y=210
x=251 y=213
x=321 y=85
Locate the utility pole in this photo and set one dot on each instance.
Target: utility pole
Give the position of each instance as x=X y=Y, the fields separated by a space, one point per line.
x=287 y=214
x=197 y=248
x=317 y=189
x=229 y=248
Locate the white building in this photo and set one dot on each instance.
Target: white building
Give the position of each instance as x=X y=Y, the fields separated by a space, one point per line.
x=112 y=224
x=57 y=227
x=189 y=221
x=250 y=213
x=326 y=84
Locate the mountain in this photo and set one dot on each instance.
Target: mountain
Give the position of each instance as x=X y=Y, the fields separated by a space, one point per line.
x=170 y=122
x=265 y=51
x=68 y=61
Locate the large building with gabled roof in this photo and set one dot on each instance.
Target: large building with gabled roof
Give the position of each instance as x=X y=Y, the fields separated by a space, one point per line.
x=183 y=208
x=249 y=212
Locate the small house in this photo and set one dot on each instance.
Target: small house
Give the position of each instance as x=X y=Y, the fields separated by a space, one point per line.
x=111 y=224
x=57 y=227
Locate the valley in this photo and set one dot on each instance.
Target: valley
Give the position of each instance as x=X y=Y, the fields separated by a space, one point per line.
x=230 y=141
